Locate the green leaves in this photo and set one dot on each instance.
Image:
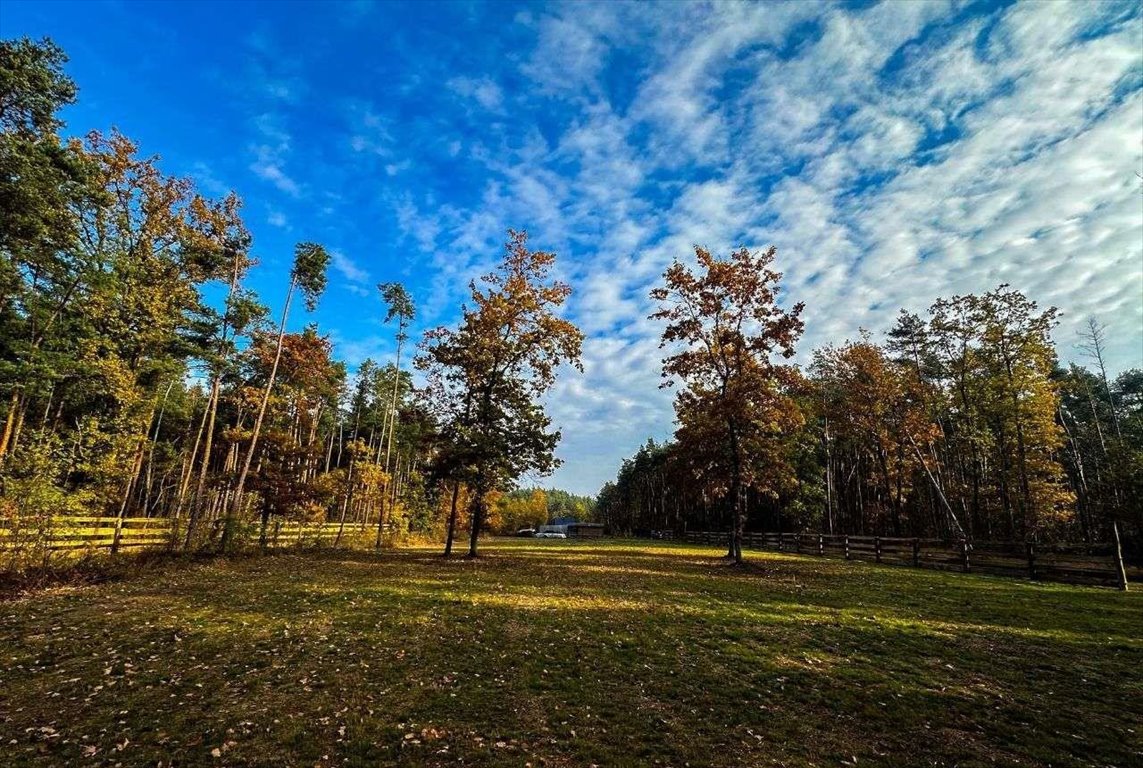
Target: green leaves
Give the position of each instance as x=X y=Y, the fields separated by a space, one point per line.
x=485 y=376
x=399 y=302
x=33 y=86
x=310 y=263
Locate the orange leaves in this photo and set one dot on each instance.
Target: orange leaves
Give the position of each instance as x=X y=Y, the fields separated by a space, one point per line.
x=722 y=327
x=486 y=375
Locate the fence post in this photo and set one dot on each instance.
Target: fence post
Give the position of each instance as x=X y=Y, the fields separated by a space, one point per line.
x=964 y=555
x=916 y=553
x=798 y=543
x=780 y=541
x=1031 y=561
x=49 y=539
x=1121 y=571
x=877 y=548
x=118 y=534
x=847 y=546
x=821 y=545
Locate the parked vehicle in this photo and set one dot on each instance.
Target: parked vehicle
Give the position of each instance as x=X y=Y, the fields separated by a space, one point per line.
x=525 y=532
x=551 y=535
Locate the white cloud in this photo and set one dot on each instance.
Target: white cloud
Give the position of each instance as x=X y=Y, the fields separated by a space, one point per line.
x=267 y=166
x=483 y=91
x=891 y=154
x=271 y=151
x=571 y=47
x=348 y=268
x=369 y=132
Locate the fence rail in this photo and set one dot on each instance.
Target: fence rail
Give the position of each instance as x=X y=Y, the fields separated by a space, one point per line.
x=37 y=540
x=1073 y=563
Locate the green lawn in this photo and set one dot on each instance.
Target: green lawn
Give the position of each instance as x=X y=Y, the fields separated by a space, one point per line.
x=570 y=654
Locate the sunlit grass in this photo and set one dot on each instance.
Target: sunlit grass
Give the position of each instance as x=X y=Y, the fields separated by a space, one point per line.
x=566 y=653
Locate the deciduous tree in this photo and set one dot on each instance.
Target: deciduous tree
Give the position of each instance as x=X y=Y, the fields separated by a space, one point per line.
x=723 y=327
x=490 y=372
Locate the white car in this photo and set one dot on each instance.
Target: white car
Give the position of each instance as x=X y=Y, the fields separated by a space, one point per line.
x=551 y=535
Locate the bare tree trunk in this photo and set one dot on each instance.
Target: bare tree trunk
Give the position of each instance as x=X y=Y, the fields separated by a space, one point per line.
x=1094 y=348
x=151 y=452
x=200 y=489
x=936 y=486
x=329 y=452
x=137 y=465
x=348 y=501
x=477 y=521
x=236 y=506
x=19 y=426
x=452 y=519
x=393 y=405
x=188 y=469
x=9 y=421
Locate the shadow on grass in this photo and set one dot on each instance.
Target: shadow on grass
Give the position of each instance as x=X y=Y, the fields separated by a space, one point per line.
x=575 y=654
x=774 y=589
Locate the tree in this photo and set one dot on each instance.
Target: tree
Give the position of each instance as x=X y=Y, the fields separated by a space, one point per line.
x=878 y=429
x=724 y=324
x=400 y=307
x=1020 y=401
x=1094 y=345
x=223 y=231
x=125 y=378
x=43 y=182
x=308 y=276
x=488 y=374
x=522 y=509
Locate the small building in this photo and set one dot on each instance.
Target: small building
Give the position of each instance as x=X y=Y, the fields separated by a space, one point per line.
x=584 y=530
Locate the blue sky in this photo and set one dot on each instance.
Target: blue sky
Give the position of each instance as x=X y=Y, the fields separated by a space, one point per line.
x=892 y=152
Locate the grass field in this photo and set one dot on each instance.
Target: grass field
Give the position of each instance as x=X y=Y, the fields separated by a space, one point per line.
x=569 y=654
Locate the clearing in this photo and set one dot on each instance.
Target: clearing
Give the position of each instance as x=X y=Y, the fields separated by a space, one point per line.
x=566 y=653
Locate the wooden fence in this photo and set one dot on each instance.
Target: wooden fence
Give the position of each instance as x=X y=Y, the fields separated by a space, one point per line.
x=1073 y=563
x=37 y=541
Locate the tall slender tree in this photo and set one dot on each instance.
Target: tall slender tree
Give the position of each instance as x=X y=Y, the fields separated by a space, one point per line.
x=1094 y=344
x=307 y=276
x=401 y=308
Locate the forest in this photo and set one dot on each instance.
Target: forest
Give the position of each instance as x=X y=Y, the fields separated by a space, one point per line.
x=960 y=423
x=221 y=528
x=141 y=377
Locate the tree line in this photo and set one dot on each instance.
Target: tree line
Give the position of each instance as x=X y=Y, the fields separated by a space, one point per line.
x=525 y=508
x=141 y=376
x=960 y=424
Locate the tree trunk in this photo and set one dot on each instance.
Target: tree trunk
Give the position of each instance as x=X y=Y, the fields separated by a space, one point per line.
x=151 y=453
x=236 y=505
x=199 y=498
x=476 y=522
x=393 y=405
x=452 y=519
x=380 y=517
x=10 y=421
x=188 y=468
x=137 y=466
x=347 y=503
